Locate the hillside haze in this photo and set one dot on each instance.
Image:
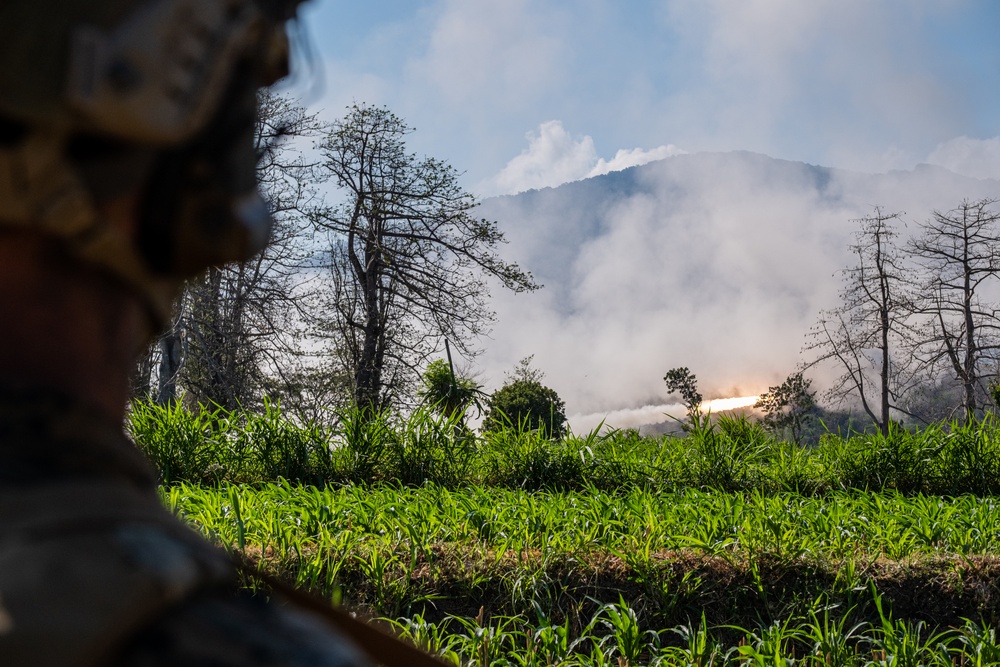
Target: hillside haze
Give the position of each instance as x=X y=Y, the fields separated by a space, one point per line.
x=716 y=261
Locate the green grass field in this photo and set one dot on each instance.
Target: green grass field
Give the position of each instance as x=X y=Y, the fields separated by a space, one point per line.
x=724 y=547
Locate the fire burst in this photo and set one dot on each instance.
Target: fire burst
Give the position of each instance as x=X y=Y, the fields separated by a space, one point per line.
x=720 y=404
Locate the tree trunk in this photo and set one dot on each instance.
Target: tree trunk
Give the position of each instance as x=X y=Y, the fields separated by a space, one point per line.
x=884 y=376
x=170 y=365
x=885 y=299
x=368 y=377
x=970 y=353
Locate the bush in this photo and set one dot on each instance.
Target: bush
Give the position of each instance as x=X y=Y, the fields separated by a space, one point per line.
x=526 y=459
x=182 y=445
x=445 y=392
x=526 y=405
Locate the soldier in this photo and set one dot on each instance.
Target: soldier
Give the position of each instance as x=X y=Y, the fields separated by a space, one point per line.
x=126 y=166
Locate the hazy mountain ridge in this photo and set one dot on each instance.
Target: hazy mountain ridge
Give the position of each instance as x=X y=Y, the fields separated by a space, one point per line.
x=717 y=261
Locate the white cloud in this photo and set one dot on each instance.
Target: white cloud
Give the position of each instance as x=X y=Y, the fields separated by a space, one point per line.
x=848 y=83
x=838 y=82
x=554 y=157
x=979 y=158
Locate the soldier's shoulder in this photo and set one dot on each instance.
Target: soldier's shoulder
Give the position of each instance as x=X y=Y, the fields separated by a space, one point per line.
x=222 y=630
x=90 y=570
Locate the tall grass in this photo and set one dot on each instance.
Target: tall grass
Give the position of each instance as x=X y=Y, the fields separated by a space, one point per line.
x=209 y=446
x=725 y=546
x=730 y=454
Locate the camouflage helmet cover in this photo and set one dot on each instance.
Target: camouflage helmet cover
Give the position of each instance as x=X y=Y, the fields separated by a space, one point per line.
x=170 y=85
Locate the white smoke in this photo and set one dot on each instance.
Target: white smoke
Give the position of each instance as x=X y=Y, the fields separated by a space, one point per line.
x=554 y=157
x=581 y=424
x=978 y=158
x=717 y=262
x=651 y=414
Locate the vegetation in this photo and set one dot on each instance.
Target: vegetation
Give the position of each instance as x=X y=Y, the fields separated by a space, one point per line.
x=524 y=403
x=958 y=252
x=864 y=335
x=233 y=333
x=595 y=577
x=526 y=544
x=723 y=546
x=788 y=407
x=917 y=319
x=445 y=391
x=405 y=264
x=733 y=454
x=682 y=381
x=408 y=260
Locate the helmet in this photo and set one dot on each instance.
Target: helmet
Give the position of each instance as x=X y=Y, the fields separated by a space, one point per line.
x=100 y=98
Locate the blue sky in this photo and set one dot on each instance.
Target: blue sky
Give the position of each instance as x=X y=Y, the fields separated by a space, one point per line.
x=527 y=93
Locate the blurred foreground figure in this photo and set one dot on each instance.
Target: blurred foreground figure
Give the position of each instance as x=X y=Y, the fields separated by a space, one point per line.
x=126 y=166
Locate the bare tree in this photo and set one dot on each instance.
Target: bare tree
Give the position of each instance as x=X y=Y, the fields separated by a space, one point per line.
x=409 y=260
x=959 y=251
x=234 y=329
x=866 y=334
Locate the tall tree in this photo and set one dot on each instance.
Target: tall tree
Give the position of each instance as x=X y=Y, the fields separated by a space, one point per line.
x=409 y=258
x=959 y=251
x=232 y=334
x=238 y=318
x=865 y=335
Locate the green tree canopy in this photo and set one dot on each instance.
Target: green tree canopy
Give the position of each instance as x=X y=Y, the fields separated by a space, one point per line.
x=682 y=381
x=525 y=401
x=788 y=406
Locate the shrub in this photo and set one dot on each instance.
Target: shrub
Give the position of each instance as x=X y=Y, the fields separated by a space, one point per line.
x=444 y=391
x=526 y=405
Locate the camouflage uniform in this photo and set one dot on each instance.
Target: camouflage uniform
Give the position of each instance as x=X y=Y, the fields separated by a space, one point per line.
x=148 y=104
x=93 y=570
